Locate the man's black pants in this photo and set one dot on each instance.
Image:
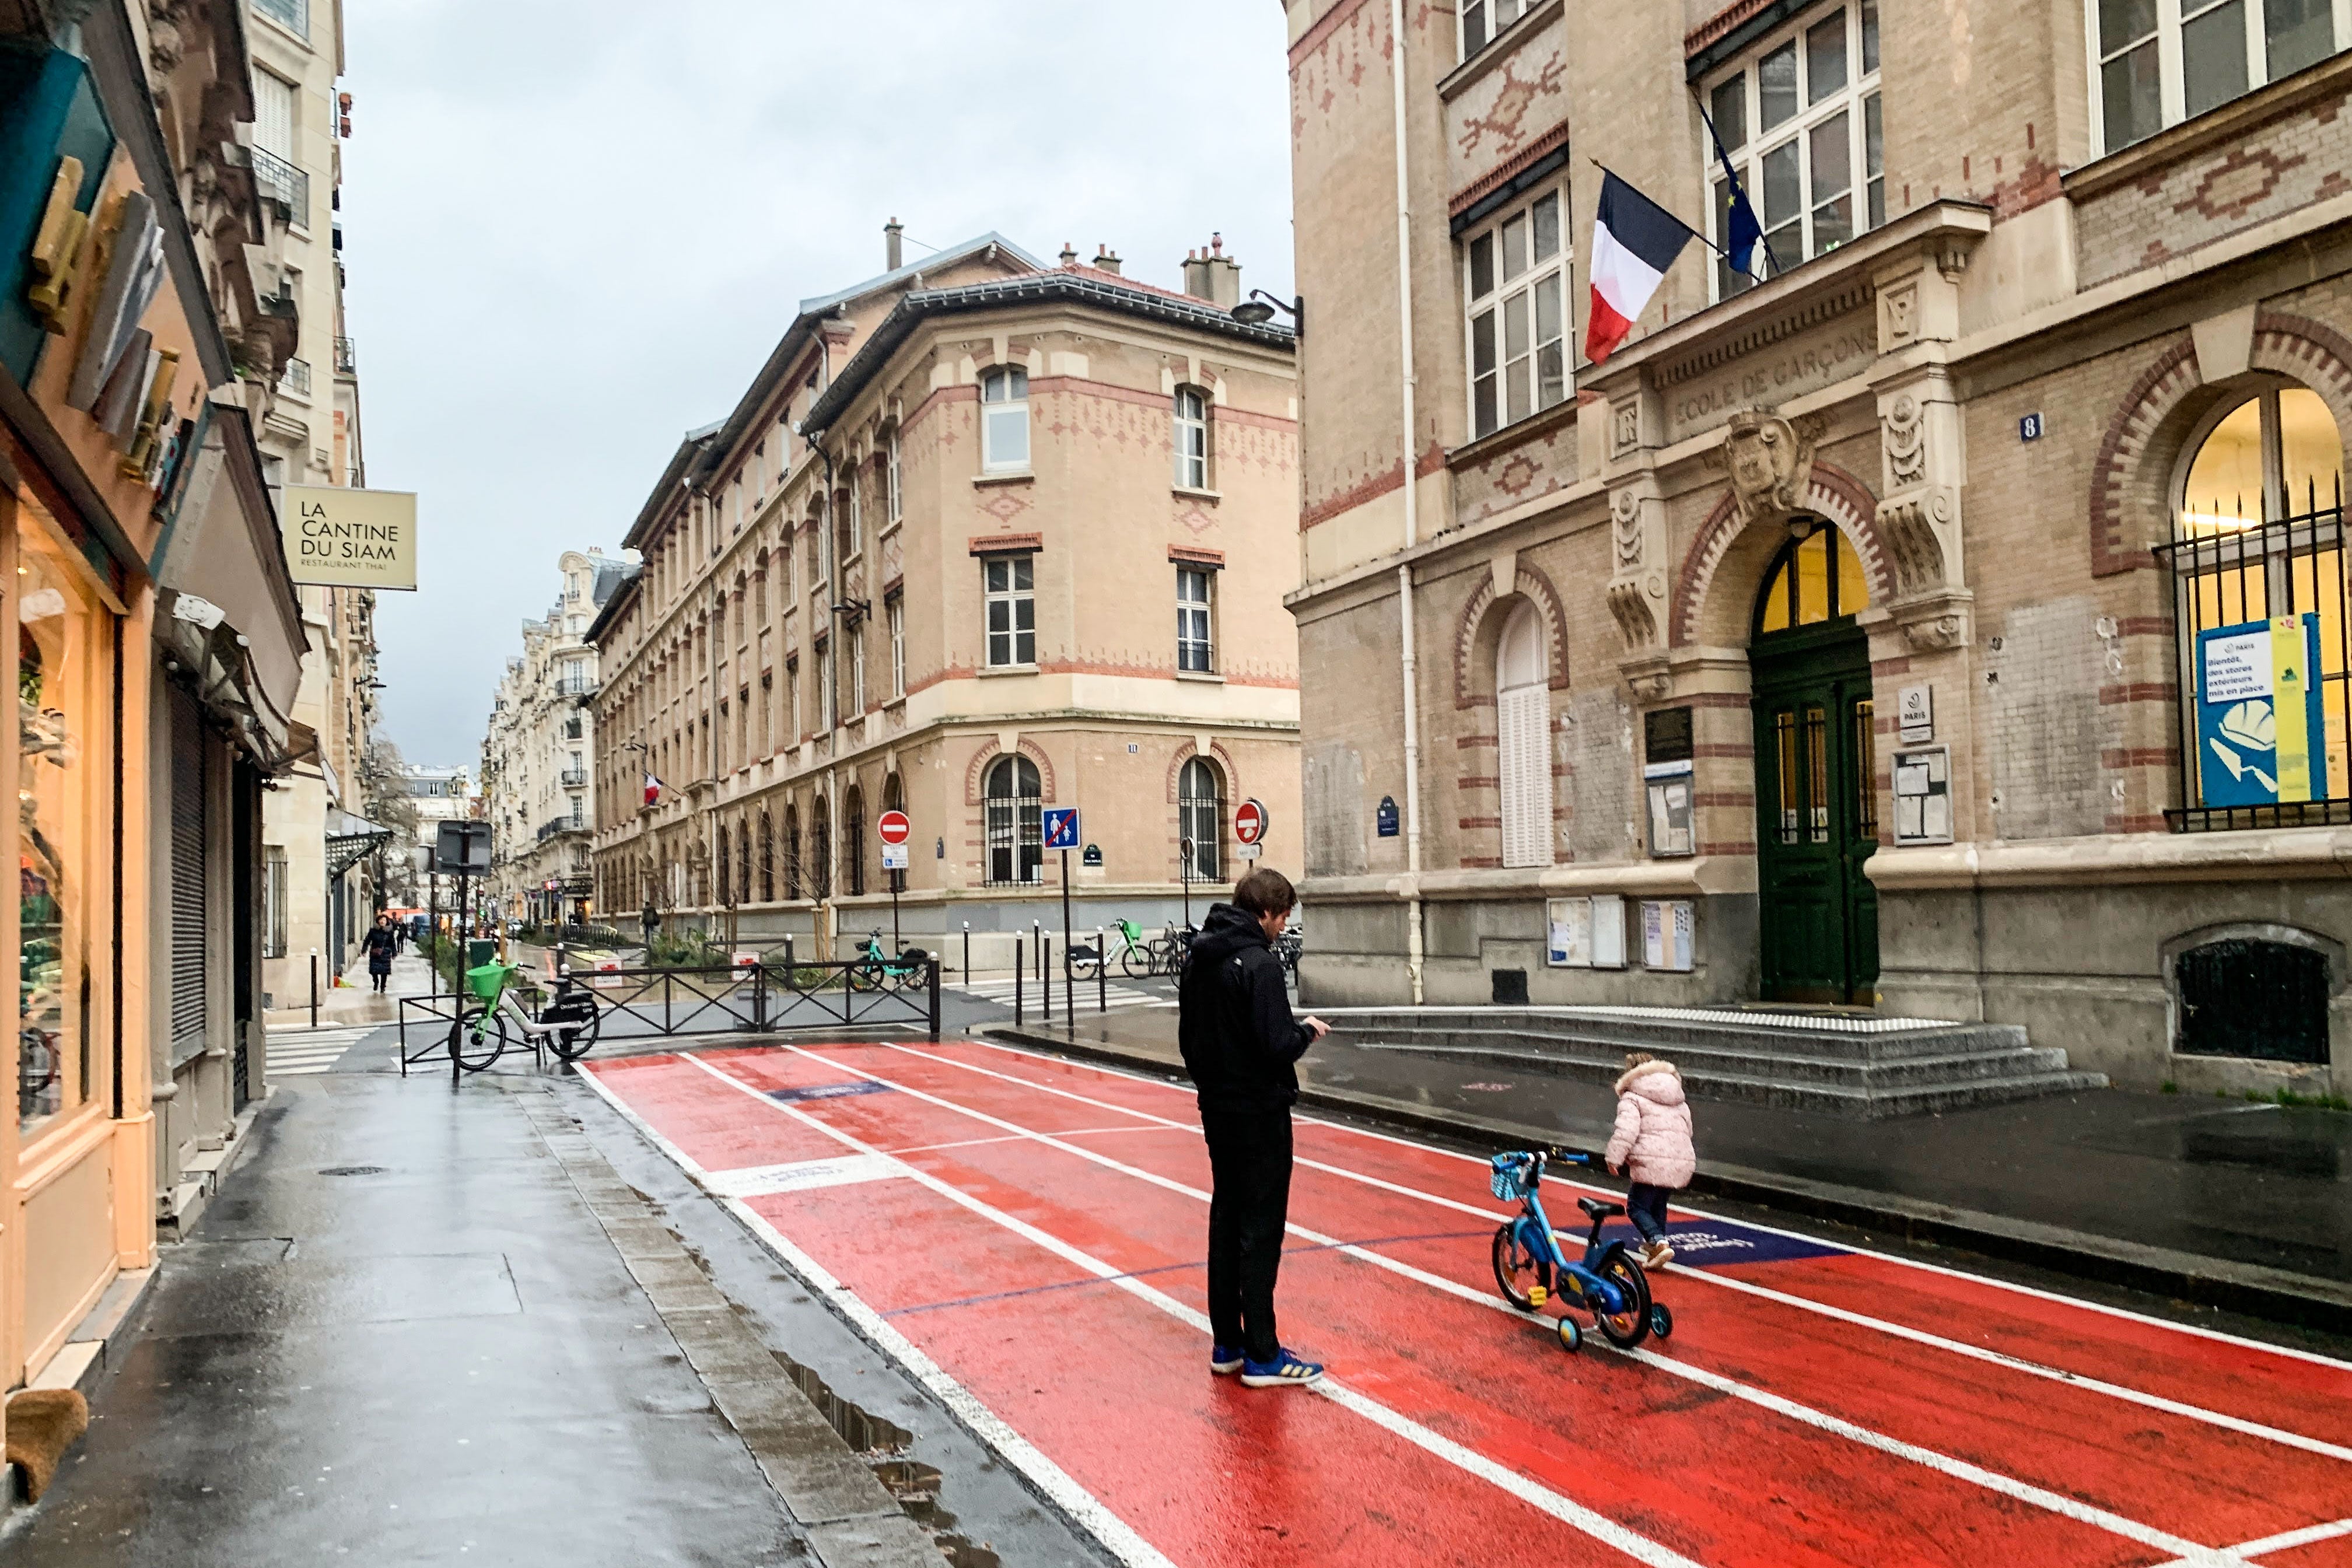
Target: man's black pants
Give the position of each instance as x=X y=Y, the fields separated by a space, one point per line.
x=1249 y=1159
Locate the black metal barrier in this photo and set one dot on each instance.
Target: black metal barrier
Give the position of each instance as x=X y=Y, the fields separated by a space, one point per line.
x=637 y=1003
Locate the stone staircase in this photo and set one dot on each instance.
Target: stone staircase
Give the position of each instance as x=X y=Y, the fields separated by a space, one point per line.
x=1847 y=1064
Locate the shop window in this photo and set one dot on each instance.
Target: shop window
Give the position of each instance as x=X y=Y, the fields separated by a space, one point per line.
x=1523 y=729
x=2264 y=1000
x=1200 y=818
x=1016 y=846
x=2155 y=63
x=1800 y=120
x=2259 y=592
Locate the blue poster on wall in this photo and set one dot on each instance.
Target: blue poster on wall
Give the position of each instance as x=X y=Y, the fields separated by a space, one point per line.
x=2260 y=738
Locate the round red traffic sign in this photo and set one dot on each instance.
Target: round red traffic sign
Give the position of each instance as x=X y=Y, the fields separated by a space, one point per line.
x=892 y=827
x=1249 y=821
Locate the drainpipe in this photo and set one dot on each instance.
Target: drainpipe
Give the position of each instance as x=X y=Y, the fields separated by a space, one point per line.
x=1411 y=522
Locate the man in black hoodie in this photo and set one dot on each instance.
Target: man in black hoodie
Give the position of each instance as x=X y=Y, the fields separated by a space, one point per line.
x=1240 y=1041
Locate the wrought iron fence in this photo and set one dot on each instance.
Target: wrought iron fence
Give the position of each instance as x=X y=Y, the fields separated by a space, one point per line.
x=282 y=182
x=2236 y=580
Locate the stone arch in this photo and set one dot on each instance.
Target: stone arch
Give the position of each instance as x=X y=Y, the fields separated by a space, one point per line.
x=1481 y=624
x=975 y=775
x=1217 y=754
x=1727 y=539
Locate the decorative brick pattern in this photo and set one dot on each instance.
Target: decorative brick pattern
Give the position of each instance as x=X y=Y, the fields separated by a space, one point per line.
x=1474 y=684
x=1217 y=754
x=975 y=774
x=1831 y=492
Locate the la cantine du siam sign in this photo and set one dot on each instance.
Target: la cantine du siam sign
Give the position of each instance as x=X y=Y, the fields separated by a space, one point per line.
x=341 y=538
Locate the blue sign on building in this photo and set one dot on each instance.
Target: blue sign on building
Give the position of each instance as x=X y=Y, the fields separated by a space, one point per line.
x=1060 y=825
x=2260 y=737
x=1384 y=818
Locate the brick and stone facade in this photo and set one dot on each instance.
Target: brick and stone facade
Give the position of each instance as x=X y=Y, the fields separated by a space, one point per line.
x=2122 y=302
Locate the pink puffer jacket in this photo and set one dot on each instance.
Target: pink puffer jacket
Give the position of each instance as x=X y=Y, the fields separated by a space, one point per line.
x=1652 y=1137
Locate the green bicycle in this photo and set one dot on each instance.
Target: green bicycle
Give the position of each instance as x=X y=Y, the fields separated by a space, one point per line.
x=568 y=1025
x=1136 y=957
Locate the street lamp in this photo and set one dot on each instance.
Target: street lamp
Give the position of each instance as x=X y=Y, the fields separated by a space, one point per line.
x=1258 y=309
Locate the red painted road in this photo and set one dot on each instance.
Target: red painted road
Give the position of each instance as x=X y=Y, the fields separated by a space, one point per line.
x=1025 y=1234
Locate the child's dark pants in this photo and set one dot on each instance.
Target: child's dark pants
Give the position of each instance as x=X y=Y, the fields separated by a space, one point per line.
x=1645 y=1205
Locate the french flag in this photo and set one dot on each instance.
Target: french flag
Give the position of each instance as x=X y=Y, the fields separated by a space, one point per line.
x=1634 y=240
x=653 y=789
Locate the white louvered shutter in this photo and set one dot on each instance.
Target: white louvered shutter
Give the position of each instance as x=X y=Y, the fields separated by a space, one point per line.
x=1523 y=723
x=273 y=118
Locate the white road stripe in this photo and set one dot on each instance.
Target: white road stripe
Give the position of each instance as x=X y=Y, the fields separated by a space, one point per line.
x=2125 y=1313
x=1575 y=1515
x=1943 y=1464
x=2306 y=1536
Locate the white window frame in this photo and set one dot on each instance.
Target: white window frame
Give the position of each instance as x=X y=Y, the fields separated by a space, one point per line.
x=1486 y=249
x=2172 y=83
x=1017 y=595
x=1195 y=620
x=894 y=499
x=1190 y=416
x=895 y=614
x=1793 y=241
x=998 y=408
x=1483 y=21
x=792 y=689
x=856 y=517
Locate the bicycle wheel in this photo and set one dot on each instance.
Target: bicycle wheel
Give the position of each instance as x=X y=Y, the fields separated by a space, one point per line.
x=1630 y=1327
x=1518 y=1272
x=573 y=1040
x=1083 y=964
x=865 y=976
x=1134 y=963
x=478 y=1038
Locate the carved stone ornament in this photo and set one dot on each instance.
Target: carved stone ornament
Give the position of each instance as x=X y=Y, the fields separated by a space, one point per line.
x=1637 y=621
x=1911 y=530
x=1902 y=313
x=1935 y=633
x=1625 y=427
x=1625 y=514
x=1649 y=680
x=1770 y=459
x=1905 y=433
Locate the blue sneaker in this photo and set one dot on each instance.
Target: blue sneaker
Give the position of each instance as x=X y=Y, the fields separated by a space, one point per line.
x=1226 y=1360
x=1285 y=1370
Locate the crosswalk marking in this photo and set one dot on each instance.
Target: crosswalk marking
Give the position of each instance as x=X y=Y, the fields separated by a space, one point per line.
x=1001 y=993
x=301 y=1053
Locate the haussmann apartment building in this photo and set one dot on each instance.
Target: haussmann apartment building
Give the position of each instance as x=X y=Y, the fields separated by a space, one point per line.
x=985 y=534
x=1952 y=623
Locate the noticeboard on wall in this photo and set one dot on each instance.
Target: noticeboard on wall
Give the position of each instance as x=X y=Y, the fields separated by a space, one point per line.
x=1587 y=932
x=1671 y=798
x=1669 y=929
x=1923 y=796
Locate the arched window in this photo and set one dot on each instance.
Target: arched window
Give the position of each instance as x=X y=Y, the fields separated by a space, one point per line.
x=2258 y=537
x=1004 y=419
x=792 y=852
x=1523 y=731
x=744 y=860
x=1200 y=818
x=894 y=793
x=1017 y=851
x=820 y=855
x=767 y=856
x=852 y=839
x=726 y=887
x=1817 y=577
x=1192 y=434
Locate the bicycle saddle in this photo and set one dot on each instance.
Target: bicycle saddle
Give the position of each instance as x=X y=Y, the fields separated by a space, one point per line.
x=1599 y=1209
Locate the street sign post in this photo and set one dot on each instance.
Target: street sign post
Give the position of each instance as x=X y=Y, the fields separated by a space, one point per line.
x=894 y=830
x=1058 y=825
x=1249 y=829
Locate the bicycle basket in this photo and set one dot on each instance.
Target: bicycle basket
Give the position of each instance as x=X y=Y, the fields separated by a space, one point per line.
x=1515 y=1175
x=487 y=982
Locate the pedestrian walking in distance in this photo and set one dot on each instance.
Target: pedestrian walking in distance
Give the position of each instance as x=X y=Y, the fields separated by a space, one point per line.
x=382 y=941
x=1239 y=1045
x=651 y=921
x=1651 y=1145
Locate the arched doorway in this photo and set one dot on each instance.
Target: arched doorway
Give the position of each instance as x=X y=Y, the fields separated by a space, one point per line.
x=1816 y=807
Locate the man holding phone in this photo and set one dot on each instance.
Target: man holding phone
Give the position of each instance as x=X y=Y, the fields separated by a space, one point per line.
x=1241 y=1045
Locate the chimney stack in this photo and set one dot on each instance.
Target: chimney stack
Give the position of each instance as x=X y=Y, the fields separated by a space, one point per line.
x=1212 y=276
x=891 y=249
x=1069 y=253
x=1107 y=259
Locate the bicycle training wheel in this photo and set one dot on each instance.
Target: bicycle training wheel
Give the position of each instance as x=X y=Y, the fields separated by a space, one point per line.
x=1518 y=1272
x=1662 y=1320
x=571 y=1042
x=478 y=1038
x=1630 y=1327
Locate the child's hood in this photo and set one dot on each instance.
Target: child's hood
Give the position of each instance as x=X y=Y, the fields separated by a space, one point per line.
x=1657 y=1082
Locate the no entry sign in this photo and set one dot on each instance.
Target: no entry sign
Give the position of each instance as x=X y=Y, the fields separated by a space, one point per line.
x=1249 y=821
x=892 y=827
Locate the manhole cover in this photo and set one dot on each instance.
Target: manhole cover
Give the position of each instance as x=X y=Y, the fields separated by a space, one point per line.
x=353 y=1171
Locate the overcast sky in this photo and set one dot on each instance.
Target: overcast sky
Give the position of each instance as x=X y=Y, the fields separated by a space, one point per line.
x=574 y=228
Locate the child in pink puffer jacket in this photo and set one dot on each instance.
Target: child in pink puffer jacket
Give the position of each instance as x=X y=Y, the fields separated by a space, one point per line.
x=1652 y=1144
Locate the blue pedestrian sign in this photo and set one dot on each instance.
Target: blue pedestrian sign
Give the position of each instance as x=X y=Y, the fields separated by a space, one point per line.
x=1061 y=826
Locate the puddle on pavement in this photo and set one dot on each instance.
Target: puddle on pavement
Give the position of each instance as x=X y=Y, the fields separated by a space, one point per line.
x=2313 y=1144
x=883 y=1444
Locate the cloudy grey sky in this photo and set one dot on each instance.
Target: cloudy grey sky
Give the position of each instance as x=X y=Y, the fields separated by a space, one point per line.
x=575 y=228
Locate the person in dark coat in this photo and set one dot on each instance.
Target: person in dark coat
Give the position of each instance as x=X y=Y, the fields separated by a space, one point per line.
x=1240 y=1043
x=382 y=941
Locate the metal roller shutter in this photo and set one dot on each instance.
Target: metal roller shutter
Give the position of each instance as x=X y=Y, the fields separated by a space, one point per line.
x=189 y=923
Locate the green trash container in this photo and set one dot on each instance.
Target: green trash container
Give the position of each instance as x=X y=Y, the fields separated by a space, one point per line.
x=487 y=980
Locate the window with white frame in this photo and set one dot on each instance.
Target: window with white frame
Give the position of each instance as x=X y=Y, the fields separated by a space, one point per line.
x=2158 y=62
x=1482 y=20
x=896 y=614
x=1192 y=643
x=828 y=698
x=894 y=502
x=1799 y=119
x=1010 y=582
x=1513 y=288
x=856 y=517
x=857 y=673
x=1522 y=723
x=1004 y=419
x=1191 y=439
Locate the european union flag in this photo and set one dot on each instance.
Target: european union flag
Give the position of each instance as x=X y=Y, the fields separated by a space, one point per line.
x=1742 y=231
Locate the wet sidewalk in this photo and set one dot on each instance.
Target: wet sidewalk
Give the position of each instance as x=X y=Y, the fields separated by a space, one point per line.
x=2224 y=1202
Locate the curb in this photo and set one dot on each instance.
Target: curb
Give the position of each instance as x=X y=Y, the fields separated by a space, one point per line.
x=2272 y=1294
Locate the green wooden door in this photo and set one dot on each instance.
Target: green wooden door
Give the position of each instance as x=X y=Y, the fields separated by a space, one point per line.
x=1816 y=815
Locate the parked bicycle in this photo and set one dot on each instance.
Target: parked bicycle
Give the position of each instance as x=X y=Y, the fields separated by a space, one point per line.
x=875 y=970
x=1135 y=956
x=567 y=1024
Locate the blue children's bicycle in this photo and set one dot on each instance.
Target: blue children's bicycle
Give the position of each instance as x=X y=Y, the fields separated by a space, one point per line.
x=1530 y=1265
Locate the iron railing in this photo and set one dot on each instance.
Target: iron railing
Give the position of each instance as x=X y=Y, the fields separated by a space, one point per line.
x=282 y=182
x=2236 y=571
x=294 y=15
x=574 y=778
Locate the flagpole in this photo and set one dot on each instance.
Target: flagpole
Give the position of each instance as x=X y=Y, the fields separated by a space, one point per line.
x=1692 y=232
x=1723 y=156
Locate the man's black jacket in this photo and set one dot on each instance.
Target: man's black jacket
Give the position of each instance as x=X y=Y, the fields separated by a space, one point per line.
x=1233 y=1021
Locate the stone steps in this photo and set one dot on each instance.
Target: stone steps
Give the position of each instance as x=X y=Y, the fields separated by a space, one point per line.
x=1845 y=1064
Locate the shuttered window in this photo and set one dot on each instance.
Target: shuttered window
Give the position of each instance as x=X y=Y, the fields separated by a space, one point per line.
x=273 y=115
x=1523 y=720
x=189 y=920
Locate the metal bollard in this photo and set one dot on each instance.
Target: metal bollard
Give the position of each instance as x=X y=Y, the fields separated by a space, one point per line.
x=314 y=988
x=1045 y=972
x=967 y=952
x=1102 y=962
x=1018 y=970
